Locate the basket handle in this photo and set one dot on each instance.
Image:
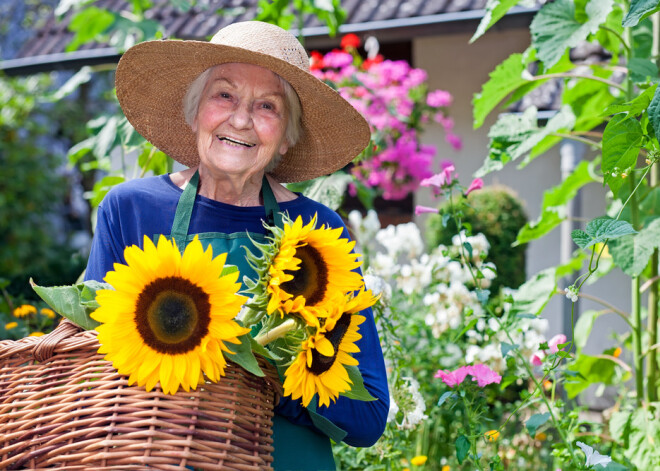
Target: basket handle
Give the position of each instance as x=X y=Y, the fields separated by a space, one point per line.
x=46 y=344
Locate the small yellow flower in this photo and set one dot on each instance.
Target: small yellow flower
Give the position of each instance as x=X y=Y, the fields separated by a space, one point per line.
x=541 y=436
x=49 y=313
x=492 y=435
x=419 y=460
x=547 y=385
x=11 y=325
x=446 y=468
x=617 y=352
x=24 y=310
x=406 y=469
x=36 y=334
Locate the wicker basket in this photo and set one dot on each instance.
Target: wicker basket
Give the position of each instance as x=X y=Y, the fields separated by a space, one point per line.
x=62 y=406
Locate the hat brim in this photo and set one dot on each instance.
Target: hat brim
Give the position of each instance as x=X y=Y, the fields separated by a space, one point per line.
x=153 y=77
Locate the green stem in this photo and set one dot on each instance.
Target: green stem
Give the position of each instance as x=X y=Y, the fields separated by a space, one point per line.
x=573 y=137
x=621 y=38
x=275 y=333
x=586 y=77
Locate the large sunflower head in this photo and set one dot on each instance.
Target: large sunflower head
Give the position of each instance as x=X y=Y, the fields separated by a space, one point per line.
x=310 y=266
x=320 y=366
x=168 y=316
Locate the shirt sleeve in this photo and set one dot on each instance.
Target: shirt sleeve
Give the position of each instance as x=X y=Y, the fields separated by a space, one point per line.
x=363 y=421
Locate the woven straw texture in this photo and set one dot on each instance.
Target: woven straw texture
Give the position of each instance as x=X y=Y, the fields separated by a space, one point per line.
x=62 y=406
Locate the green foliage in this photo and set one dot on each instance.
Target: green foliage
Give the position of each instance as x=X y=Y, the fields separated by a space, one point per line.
x=499 y=215
x=288 y=13
x=75 y=302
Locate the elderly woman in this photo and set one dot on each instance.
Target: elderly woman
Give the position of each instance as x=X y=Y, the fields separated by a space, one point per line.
x=244 y=114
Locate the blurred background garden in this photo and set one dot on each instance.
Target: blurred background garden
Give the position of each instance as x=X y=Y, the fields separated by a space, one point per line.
x=518 y=310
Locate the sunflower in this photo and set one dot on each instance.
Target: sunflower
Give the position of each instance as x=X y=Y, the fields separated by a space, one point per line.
x=320 y=368
x=169 y=315
x=309 y=267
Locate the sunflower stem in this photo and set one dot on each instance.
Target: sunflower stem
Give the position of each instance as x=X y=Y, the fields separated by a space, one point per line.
x=276 y=333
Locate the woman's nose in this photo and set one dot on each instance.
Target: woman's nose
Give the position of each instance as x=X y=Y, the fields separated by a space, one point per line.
x=241 y=116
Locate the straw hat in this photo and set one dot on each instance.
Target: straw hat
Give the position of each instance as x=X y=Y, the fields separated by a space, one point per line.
x=152 y=78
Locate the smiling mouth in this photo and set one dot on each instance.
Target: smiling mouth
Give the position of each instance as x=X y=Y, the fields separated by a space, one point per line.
x=236 y=142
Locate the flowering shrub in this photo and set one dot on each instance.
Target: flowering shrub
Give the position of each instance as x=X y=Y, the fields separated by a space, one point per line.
x=21 y=320
x=395 y=100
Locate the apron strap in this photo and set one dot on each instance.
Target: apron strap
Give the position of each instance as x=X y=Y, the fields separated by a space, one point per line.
x=184 y=209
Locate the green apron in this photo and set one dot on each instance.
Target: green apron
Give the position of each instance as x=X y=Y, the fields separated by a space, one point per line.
x=297 y=448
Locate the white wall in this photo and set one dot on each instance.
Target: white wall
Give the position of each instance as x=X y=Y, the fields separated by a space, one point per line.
x=460 y=68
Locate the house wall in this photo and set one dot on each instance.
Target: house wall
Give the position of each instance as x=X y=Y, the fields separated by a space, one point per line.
x=461 y=68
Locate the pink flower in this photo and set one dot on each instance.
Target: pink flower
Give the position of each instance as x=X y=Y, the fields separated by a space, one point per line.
x=556 y=340
x=424 y=209
x=477 y=184
x=441 y=179
x=484 y=375
x=537 y=359
x=438 y=98
x=453 y=378
x=454 y=141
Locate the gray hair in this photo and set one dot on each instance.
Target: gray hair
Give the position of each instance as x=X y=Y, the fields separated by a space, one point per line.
x=292 y=102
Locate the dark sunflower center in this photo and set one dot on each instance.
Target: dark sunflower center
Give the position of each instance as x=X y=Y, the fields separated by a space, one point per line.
x=311 y=279
x=172 y=315
x=322 y=363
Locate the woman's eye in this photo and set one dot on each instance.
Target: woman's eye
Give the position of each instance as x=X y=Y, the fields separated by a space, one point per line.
x=224 y=95
x=267 y=106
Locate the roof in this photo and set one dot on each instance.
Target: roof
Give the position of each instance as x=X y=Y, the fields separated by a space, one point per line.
x=388 y=19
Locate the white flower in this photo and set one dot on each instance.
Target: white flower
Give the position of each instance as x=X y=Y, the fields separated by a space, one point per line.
x=593 y=457
x=365 y=229
x=572 y=293
x=394 y=409
x=378 y=285
x=413 y=414
x=403 y=239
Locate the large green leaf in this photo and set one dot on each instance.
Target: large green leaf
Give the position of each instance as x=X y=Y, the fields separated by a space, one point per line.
x=357 y=391
x=633 y=252
x=638 y=105
x=644 y=438
x=555 y=27
x=506 y=78
x=75 y=302
x=622 y=140
x=600 y=230
x=554 y=204
x=654 y=110
x=591 y=370
x=462 y=448
x=242 y=355
x=535 y=421
x=495 y=10
x=640 y=9
x=642 y=70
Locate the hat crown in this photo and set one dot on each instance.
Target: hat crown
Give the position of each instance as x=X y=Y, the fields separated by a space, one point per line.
x=264 y=38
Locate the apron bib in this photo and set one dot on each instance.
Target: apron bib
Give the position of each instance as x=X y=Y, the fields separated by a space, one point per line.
x=296 y=448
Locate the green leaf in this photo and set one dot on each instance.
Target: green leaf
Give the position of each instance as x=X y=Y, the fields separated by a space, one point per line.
x=75 y=302
x=583 y=328
x=469 y=326
x=462 y=448
x=640 y=9
x=633 y=252
x=446 y=396
x=554 y=204
x=102 y=187
x=644 y=437
x=654 y=110
x=495 y=10
x=506 y=348
x=587 y=99
x=642 y=70
x=620 y=427
x=535 y=421
x=622 y=140
x=555 y=27
x=358 y=391
x=506 y=77
x=87 y=25
x=636 y=106
x=535 y=293
x=243 y=356
x=84 y=75
x=591 y=370
x=514 y=135
x=600 y=230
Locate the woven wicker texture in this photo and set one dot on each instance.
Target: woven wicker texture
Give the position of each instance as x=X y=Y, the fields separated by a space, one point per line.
x=72 y=410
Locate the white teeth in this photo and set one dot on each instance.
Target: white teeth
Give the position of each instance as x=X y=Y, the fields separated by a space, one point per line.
x=236 y=141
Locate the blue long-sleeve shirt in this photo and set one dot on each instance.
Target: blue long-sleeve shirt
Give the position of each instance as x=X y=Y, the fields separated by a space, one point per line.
x=147 y=207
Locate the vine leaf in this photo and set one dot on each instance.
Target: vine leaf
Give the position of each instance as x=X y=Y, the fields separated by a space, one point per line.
x=654 y=108
x=555 y=27
x=600 y=230
x=633 y=252
x=535 y=421
x=638 y=105
x=75 y=302
x=622 y=140
x=462 y=448
x=640 y=9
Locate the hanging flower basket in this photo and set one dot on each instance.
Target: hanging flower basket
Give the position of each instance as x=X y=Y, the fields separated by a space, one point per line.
x=62 y=406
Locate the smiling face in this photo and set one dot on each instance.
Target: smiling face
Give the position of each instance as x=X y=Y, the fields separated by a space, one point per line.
x=241 y=121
